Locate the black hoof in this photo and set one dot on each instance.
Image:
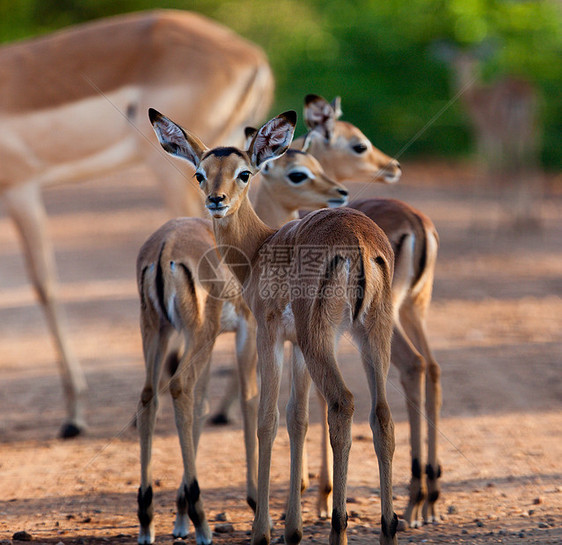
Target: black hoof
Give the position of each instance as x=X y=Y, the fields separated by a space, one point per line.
x=68 y=431
x=219 y=420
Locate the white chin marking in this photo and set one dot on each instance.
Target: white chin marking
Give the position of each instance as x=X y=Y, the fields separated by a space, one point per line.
x=218 y=213
x=392 y=179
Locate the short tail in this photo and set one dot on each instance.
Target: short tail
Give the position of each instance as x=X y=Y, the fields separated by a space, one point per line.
x=160 y=284
x=426 y=275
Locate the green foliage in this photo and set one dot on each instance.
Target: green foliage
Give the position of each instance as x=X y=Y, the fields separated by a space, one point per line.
x=376 y=55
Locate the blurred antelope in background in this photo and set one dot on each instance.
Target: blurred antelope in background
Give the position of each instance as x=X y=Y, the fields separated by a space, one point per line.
x=70 y=106
x=504 y=118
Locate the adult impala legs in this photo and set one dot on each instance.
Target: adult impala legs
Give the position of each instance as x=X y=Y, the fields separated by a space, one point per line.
x=346 y=154
x=93 y=80
x=185 y=288
x=352 y=291
x=26 y=209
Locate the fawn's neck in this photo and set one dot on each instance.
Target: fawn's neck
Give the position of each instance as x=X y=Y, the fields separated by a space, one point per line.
x=243 y=230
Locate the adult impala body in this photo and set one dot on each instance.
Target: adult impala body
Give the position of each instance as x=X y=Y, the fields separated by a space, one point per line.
x=350 y=290
x=69 y=108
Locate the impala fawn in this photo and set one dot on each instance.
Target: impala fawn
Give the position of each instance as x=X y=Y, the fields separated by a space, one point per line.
x=349 y=289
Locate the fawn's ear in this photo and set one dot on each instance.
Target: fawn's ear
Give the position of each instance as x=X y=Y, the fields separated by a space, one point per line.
x=175 y=140
x=320 y=115
x=273 y=139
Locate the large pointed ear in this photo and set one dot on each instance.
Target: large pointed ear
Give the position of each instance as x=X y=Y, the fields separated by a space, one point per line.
x=320 y=115
x=273 y=139
x=175 y=140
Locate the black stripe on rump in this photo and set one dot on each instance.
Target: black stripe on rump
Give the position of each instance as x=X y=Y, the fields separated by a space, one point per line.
x=190 y=281
x=160 y=285
x=141 y=288
x=361 y=286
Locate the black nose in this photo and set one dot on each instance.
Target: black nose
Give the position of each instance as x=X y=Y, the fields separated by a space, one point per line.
x=217 y=199
x=343 y=192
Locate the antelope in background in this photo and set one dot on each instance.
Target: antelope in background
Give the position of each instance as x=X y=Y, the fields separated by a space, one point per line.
x=504 y=119
x=69 y=108
x=186 y=288
x=351 y=291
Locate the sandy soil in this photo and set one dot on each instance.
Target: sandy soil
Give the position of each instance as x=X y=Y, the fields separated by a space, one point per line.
x=495 y=326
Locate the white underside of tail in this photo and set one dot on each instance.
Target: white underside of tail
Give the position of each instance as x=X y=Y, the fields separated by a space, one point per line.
x=431 y=249
x=229 y=317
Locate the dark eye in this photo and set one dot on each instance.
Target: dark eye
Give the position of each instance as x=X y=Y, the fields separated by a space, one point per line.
x=244 y=176
x=297 y=177
x=199 y=177
x=359 y=148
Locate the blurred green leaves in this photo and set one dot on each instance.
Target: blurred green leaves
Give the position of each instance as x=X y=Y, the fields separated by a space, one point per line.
x=375 y=54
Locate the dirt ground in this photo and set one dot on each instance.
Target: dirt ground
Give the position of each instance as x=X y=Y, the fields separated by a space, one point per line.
x=495 y=326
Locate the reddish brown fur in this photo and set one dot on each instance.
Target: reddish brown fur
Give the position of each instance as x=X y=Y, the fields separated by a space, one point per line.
x=415 y=241
x=341 y=231
x=196 y=313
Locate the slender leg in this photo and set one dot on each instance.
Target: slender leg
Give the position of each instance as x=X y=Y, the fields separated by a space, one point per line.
x=305 y=479
x=26 y=208
x=297 y=425
x=182 y=386
x=246 y=355
x=375 y=354
x=154 y=348
x=188 y=388
x=414 y=327
x=412 y=375
x=433 y=468
x=324 y=501
x=270 y=353
x=322 y=365
x=201 y=403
